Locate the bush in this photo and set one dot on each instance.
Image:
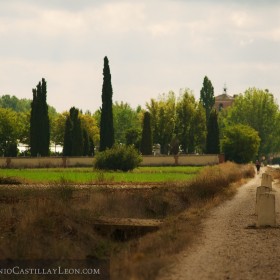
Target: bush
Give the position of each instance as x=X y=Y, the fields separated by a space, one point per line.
x=241 y=143
x=119 y=157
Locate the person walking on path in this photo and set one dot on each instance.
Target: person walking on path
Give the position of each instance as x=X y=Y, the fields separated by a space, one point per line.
x=258 y=166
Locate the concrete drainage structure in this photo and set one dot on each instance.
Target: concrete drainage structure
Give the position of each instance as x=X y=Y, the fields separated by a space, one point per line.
x=265 y=203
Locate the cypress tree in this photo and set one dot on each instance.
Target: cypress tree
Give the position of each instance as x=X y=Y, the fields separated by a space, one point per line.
x=91 y=147
x=33 y=126
x=77 y=133
x=146 y=142
x=73 y=136
x=106 y=122
x=212 y=139
x=86 y=143
x=39 y=121
x=207 y=97
x=67 y=142
x=44 y=144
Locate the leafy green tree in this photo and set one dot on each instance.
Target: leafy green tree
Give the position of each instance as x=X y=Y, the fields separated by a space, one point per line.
x=190 y=128
x=58 y=128
x=146 y=141
x=275 y=142
x=185 y=112
x=106 y=123
x=162 y=113
x=241 y=143
x=199 y=127
x=213 y=135
x=23 y=126
x=207 y=96
x=12 y=102
x=133 y=137
x=125 y=118
x=89 y=123
x=39 y=121
x=258 y=109
x=9 y=132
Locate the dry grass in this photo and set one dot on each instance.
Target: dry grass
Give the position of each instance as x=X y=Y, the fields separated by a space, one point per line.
x=145 y=257
x=46 y=224
x=274 y=172
x=215 y=179
x=56 y=222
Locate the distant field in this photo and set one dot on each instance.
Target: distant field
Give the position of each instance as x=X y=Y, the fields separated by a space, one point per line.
x=89 y=175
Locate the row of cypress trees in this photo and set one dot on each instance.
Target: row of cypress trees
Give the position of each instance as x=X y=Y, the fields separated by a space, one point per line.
x=76 y=139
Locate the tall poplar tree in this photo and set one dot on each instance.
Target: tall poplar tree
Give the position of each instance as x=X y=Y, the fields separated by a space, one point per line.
x=162 y=113
x=146 y=142
x=212 y=139
x=39 y=121
x=207 y=96
x=106 y=122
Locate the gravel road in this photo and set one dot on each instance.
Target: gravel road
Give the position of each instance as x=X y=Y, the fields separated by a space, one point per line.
x=229 y=247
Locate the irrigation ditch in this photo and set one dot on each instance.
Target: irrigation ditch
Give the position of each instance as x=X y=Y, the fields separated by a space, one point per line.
x=137 y=228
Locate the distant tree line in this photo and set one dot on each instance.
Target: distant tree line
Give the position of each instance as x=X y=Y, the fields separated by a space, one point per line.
x=175 y=124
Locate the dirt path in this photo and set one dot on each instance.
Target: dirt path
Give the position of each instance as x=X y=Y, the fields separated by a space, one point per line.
x=230 y=250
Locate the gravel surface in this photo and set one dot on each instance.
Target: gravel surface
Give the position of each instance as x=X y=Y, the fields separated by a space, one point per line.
x=230 y=248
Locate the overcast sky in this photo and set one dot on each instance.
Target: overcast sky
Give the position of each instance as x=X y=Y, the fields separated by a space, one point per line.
x=153 y=46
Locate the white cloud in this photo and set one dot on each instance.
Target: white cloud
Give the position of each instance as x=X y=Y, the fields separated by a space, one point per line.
x=118 y=17
x=153 y=46
x=165 y=28
x=242 y=19
x=274 y=34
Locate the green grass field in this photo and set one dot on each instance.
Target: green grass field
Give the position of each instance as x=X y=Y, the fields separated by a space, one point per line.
x=89 y=175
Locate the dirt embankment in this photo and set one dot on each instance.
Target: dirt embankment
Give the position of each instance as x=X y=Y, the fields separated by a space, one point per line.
x=228 y=247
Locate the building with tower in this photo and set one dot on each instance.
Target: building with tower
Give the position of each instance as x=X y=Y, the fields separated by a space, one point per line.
x=223 y=101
